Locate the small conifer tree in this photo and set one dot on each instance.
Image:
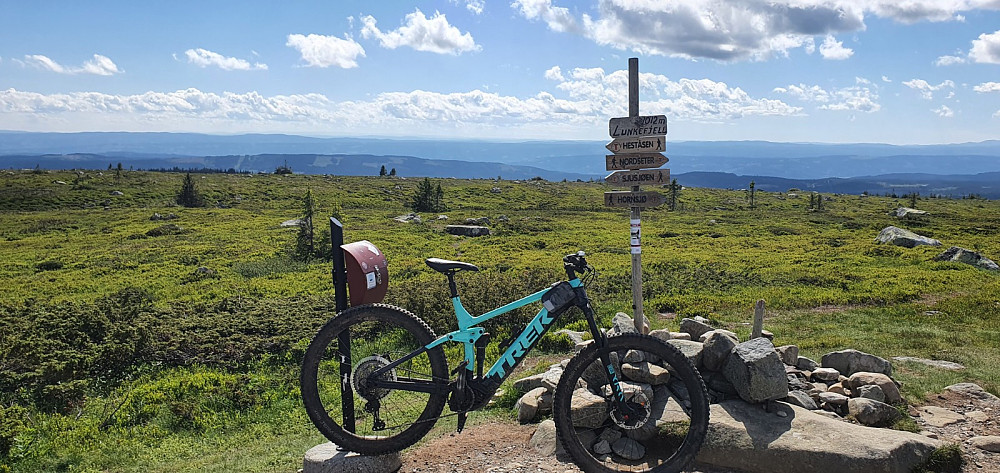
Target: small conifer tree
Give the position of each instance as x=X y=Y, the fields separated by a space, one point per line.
x=188 y=196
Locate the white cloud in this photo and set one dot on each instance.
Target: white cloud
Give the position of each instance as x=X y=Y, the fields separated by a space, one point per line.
x=986 y=49
x=987 y=87
x=204 y=58
x=554 y=73
x=834 y=50
x=886 y=79
x=927 y=90
x=99 y=65
x=474 y=6
x=860 y=97
x=432 y=34
x=943 y=111
x=325 y=51
x=949 y=60
x=557 y=18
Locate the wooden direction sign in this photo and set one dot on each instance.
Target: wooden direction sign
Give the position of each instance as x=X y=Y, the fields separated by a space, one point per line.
x=645 y=144
x=615 y=162
x=644 y=125
x=642 y=176
x=644 y=199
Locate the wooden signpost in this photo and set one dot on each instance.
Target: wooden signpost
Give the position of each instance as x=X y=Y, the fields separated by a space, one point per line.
x=638 y=141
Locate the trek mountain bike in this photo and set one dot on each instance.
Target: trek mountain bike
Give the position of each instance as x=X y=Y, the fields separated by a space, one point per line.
x=375 y=380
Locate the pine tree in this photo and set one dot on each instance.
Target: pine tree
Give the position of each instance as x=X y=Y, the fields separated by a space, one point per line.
x=752 y=190
x=439 y=199
x=392 y=172
x=382 y=172
x=675 y=190
x=423 y=200
x=188 y=196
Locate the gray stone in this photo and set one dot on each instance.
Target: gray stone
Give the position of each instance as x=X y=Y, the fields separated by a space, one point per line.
x=645 y=372
x=745 y=437
x=963 y=255
x=723 y=331
x=325 y=458
x=634 y=356
x=602 y=447
x=694 y=327
x=905 y=238
x=825 y=374
x=630 y=388
x=806 y=364
x=528 y=404
x=467 y=230
x=871 y=392
x=550 y=378
x=116 y=193
x=477 y=221
x=544 y=439
x=945 y=365
x=409 y=218
x=662 y=334
x=628 y=449
x=789 y=354
x=717 y=382
x=576 y=337
x=884 y=382
x=990 y=443
x=872 y=413
x=939 y=416
x=680 y=336
x=716 y=350
x=902 y=212
x=848 y=362
x=756 y=372
x=287 y=223
x=768 y=335
x=529 y=382
x=621 y=323
x=971 y=390
x=596 y=375
x=442 y=217
x=833 y=398
x=588 y=409
x=801 y=399
x=691 y=350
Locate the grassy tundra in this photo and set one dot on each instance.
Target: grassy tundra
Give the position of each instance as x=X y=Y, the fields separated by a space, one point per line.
x=118 y=354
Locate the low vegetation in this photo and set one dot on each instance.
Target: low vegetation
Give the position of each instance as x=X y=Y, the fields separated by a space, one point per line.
x=135 y=344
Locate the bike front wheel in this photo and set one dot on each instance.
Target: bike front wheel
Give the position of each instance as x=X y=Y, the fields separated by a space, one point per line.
x=337 y=390
x=658 y=427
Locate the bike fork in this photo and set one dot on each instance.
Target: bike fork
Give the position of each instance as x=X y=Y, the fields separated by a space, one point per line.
x=601 y=341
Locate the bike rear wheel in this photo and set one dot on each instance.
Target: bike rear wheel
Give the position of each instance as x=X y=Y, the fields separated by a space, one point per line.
x=385 y=420
x=662 y=423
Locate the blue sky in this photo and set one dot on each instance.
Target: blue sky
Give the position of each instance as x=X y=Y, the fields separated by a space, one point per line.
x=914 y=72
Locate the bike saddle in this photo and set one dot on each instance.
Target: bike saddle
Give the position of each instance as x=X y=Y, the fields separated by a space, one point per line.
x=445 y=266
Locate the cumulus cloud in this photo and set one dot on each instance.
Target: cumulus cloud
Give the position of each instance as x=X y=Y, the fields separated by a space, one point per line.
x=927 y=90
x=474 y=6
x=886 y=79
x=987 y=87
x=735 y=29
x=986 y=49
x=834 y=50
x=204 y=58
x=943 y=111
x=325 y=51
x=432 y=34
x=99 y=65
x=862 y=97
x=949 y=60
x=554 y=73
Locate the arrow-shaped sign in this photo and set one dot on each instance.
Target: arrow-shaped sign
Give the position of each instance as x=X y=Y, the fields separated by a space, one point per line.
x=640 y=177
x=633 y=199
x=646 y=144
x=648 y=125
x=634 y=161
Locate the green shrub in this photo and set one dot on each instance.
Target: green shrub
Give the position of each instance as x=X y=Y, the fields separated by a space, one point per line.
x=50 y=265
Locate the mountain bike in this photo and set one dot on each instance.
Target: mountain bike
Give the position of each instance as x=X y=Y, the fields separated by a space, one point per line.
x=375 y=380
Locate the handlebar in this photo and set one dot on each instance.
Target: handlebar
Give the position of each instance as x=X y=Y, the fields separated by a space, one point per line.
x=575 y=263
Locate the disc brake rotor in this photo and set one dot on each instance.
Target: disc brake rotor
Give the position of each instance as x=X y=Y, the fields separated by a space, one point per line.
x=641 y=411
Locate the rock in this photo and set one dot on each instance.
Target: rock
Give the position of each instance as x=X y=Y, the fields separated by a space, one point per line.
x=945 y=365
x=870 y=392
x=756 y=372
x=596 y=375
x=972 y=390
x=833 y=398
x=204 y=272
x=544 y=439
x=801 y=399
x=666 y=408
x=477 y=221
x=645 y=372
x=691 y=350
x=680 y=336
x=872 y=413
x=61 y=183
x=839 y=388
x=977 y=416
x=116 y=193
x=825 y=374
x=628 y=449
x=717 y=382
x=576 y=337
x=529 y=382
x=409 y=218
x=694 y=327
x=634 y=356
x=716 y=350
x=725 y=332
x=902 y=212
x=550 y=378
x=621 y=323
x=325 y=458
x=884 y=382
x=495 y=190
x=963 y=255
x=939 y=416
x=442 y=217
x=467 y=230
x=848 y=362
x=806 y=364
x=745 y=437
x=287 y=223
x=661 y=334
x=905 y=238
x=768 y=335
x=630 y=388
x=602 y=447
x=588 y=409
x=527 y=406
x=789 y=354
x=990 y=443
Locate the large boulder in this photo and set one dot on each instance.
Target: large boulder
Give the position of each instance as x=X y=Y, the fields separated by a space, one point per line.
x=467 y=230
x=695 y=327
x=645 y=372
x=885 y=383
x=528 y=405
x=903 y=212
x=756 y=372
x=872 y=412
x=326 y=458
x=621 y=323
x=748 y=438
x=716 y=350
x=691 y=350
x=905 y=238
x=588 y=409
x=848 y=362
x=544 y=439
x=963 y=255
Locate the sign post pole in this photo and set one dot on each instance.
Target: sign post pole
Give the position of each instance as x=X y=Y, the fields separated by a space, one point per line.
x=635 y=220
x=344 y=340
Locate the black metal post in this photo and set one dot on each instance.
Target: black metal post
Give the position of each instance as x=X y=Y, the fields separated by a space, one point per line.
x=344 y=340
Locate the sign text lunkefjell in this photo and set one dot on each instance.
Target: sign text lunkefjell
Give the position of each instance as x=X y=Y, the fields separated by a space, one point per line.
x=638 y=126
